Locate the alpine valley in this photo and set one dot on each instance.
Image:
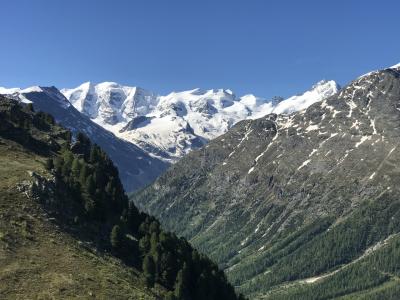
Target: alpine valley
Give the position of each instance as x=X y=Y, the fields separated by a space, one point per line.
x=68 y=231
x=144 y=133
x=231 y=197
x=301 y=205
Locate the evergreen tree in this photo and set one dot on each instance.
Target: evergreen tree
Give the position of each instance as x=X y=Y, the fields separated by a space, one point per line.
x=144 y=244
x=90 y=185
x=75 y=168
x=94 y=154
x=83 y=174
x=153 y=243
x=181 y=284
x=66 y=168
x=116 y=237
x=149 y=270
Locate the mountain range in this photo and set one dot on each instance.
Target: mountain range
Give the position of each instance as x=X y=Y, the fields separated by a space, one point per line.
x=298 y=206
x=168 y=127
x=294 y=198
x=144 y=132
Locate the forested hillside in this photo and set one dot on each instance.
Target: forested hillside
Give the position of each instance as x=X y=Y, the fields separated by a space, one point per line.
x=299 y=206
x=67 y=188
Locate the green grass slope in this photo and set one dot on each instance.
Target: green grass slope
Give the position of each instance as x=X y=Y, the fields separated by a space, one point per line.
x=38 y=260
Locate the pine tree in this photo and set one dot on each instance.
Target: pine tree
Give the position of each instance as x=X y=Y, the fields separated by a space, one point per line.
x=144 y=244
x=153 y=243
x=90 y=185
x=181 y=284
x=167 y=269
x=149 y=270
x=75 y=168
x=83 y=174
x=94 y=154
x=66 y=168
x=116 y=237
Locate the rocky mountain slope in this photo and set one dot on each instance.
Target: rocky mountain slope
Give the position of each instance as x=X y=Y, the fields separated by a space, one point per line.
x=135 y=166
x=67 y=229
x=170 y=126
x=298 y=206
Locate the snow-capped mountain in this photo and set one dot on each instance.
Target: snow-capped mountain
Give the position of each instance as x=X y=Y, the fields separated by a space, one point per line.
x=170 y=126
x=136 y=167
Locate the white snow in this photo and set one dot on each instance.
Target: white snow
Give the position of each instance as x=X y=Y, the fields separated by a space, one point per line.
x=395 y=66
x=311 y=128
x=175 y=123
x=9 y=91
x=179 y=121
x=312 y=152
x=305 y=163
x=352 y=106
x=319 y=92
x=362 y=140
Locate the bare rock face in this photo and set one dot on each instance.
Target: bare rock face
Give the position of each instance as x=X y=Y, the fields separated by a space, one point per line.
x=257 y=190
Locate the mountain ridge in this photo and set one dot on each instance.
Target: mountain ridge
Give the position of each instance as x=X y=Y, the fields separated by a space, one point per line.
x=179 y=121
x=68 y=229
x=280 y=200
x=136 y=167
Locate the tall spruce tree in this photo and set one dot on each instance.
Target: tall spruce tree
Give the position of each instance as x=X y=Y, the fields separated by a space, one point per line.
x=181 y=284
x=116 y=238
x=149 y=270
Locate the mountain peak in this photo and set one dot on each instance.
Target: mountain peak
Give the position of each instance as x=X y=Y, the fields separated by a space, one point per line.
x=159 y=124
x=395 y=66
x=319 y=91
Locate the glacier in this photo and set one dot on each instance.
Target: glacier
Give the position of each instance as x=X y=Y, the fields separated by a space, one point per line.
x=170 y=126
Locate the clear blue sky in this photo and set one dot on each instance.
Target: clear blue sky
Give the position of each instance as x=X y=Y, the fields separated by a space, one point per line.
x=255 y=46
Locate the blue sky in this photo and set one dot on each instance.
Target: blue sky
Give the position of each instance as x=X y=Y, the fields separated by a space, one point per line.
x=256 y=46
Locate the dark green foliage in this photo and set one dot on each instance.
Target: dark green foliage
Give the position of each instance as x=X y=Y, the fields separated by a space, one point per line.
x=170 y=296
x=182 y=284
x=75 y=168
x=83 y=174
x=22 y=125
x=149 y=270
x=49 y=164
x=309 y=253
x=90 y=197
x=377 y=274
x=116 y=238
